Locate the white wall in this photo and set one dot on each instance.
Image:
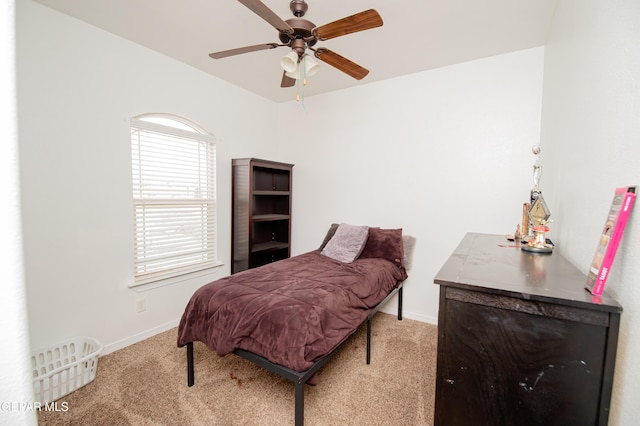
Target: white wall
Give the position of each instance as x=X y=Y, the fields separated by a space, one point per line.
x=438 y=153
x=78 y=86
x=591 y=145
x=15 y=378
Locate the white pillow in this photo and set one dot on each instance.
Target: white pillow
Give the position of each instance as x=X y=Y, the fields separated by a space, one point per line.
x=347 y=243
x=408 y=243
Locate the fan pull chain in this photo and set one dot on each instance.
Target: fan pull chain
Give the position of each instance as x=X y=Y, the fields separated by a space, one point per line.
x=303 y=74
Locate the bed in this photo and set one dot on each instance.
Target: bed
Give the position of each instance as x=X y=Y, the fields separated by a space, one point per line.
x=291 y=316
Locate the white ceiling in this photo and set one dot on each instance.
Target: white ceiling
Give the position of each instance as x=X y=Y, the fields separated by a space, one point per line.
x=417 y=35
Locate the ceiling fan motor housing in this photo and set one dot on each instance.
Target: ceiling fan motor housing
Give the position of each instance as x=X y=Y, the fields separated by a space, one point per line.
x=301 y=31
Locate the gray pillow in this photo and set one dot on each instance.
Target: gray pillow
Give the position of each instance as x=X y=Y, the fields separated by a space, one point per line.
x=347 y=243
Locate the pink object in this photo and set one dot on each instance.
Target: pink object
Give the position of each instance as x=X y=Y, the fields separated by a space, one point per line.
x=610 y=239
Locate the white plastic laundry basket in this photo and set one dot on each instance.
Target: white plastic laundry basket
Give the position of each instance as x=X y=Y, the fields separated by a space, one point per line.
x=59 y=370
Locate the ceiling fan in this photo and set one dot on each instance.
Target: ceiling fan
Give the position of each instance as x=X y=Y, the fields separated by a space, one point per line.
x=300 y=34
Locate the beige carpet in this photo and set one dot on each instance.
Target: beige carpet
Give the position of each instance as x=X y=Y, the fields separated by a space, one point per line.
x=146 y=384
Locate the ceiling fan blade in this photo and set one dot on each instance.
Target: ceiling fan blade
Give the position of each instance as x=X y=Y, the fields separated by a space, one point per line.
x=268 y=15
x=241 y=50
x=287 y=81
x=341 y=63
x=359 y=22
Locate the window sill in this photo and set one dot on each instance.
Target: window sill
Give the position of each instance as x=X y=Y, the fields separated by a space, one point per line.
x=209 y=273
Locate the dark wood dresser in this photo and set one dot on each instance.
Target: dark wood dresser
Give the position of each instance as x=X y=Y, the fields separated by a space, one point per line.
x=520 y=340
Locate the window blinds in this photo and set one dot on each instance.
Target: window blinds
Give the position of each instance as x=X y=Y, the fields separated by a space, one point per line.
x=174 y=201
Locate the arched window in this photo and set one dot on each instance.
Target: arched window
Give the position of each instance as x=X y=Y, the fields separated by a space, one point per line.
x=174 y=197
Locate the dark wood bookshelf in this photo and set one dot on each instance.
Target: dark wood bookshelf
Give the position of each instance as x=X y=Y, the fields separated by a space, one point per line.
x=261 y=216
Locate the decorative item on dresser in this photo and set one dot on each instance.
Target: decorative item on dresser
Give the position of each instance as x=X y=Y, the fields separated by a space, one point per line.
x=261 y=212
x=520 y=341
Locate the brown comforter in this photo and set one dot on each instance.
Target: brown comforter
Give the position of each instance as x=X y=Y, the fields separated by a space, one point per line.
x=291 y=312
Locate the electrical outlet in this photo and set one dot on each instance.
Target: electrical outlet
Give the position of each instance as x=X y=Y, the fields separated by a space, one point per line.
x=141 y=305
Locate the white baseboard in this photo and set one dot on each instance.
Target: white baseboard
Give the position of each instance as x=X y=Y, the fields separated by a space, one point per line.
x=139 y=337
x=419 y=317
x=410 y=315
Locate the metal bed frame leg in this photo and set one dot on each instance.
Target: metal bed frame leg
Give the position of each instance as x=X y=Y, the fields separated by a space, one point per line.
x=190 y=375
x=368 y=341
x=369 y=324
x=299 y=403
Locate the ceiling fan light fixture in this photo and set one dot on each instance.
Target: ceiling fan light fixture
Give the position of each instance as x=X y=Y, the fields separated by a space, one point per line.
x=311 y=66
x=306 y=68
x=289 y=62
